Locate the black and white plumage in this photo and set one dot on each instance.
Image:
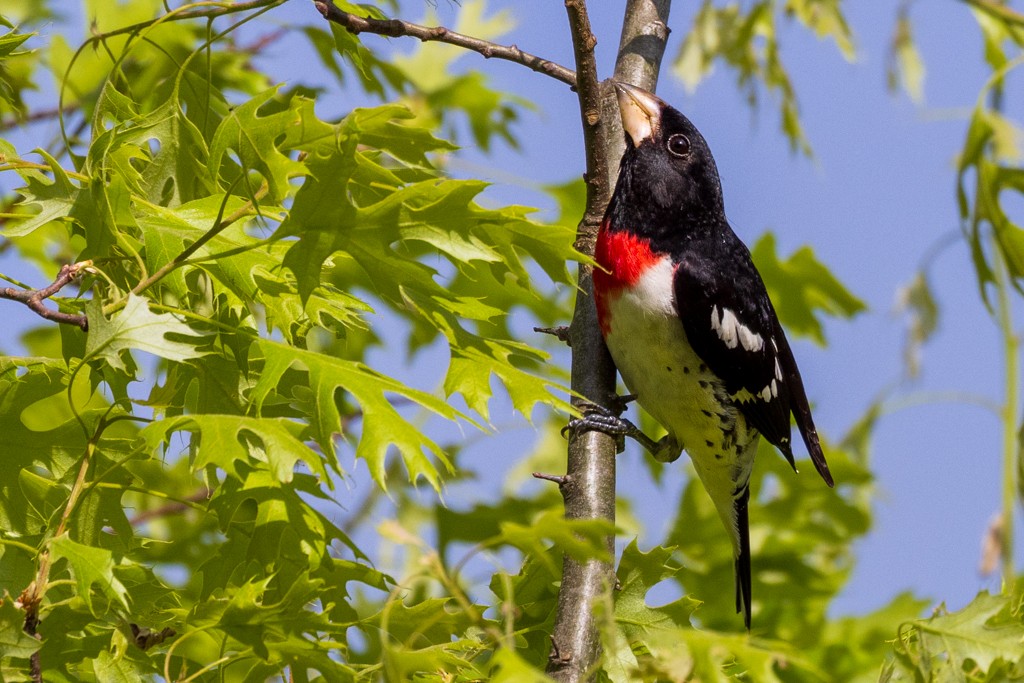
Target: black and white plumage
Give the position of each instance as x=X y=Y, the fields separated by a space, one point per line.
x=688 y=320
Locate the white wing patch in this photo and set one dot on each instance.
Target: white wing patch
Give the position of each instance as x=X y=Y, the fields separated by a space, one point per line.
x=770 y=392
x=734 y=333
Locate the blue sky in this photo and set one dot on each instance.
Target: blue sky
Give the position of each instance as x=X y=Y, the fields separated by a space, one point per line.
x=878 y=193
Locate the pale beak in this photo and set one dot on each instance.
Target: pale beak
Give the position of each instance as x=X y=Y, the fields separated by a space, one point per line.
x=640 y=111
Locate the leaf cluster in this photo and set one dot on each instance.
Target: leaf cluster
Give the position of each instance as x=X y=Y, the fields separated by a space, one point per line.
x=168 y=472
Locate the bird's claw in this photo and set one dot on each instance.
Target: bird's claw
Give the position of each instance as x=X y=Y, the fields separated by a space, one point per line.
x=607 y=421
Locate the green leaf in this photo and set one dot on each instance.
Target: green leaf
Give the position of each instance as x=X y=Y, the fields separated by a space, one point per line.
x=981 y=635
x=800 y=286
x=110 y=668
x=992 y=143
x=581 y=539
x=852 y=645
x=259 y=141
x=175 y=173
x=14 y=642
x=446 y=89
x=825 y=18
x=915 y=300
x=270 y=525
x=90 y=567
x=382 y=425
x=508 y=667
x=374 y=74
x=482 y=521
x=137 y=327
x=42 y=441
x=906 y=68
x=475 y=358
x=54 y=199
x=528 y=601
x=11 y=41
x=637 y=574
x=431 y=622
x=226 y=440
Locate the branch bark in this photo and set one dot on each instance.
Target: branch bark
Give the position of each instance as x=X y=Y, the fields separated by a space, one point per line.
x=589 y=485
x=33 y=298
x=398 y=27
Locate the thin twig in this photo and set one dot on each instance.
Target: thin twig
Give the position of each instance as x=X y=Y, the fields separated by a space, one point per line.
x=263 y=42
x=396 y=28
x=169 y=509
x=209 y=12
x=35 y=117
x=33 y=298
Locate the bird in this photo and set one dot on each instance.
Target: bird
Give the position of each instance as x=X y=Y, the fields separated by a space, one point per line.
x=688 y=321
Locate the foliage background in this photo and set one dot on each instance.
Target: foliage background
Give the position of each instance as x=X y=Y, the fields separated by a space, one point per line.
x=876 y=196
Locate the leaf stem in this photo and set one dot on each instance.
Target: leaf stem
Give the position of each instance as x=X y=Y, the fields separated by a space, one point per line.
x=17 y=164
x=18 y=544
x=217 y=228
x=170 y=651
x=1010 y=410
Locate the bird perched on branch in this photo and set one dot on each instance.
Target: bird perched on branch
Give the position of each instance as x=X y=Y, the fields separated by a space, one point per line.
x=688 y=320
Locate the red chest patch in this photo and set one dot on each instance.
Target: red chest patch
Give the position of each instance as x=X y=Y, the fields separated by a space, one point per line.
x=621 y=259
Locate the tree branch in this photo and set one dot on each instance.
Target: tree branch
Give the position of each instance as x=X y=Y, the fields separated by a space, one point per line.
x=397 y=28
x=589 y=485
x=33 y=298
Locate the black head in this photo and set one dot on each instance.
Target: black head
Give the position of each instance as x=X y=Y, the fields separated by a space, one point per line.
x=667 y=171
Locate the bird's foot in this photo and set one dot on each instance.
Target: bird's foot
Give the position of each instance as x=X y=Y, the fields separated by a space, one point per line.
x=597 y=418
x=600 y=419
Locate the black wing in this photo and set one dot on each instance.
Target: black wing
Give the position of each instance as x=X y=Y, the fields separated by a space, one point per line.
x=731 y=324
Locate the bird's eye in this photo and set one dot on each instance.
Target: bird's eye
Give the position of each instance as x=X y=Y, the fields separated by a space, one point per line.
x=679 y=145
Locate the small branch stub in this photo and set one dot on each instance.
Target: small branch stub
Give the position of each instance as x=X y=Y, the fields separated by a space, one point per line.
x=558 y=479
x=561 y=332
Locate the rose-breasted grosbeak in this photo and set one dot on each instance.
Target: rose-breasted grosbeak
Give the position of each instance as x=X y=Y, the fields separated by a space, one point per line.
x=688 y=321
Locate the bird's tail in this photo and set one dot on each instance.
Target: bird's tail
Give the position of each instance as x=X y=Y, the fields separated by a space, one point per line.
x=743 y=589
x=731 y=498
